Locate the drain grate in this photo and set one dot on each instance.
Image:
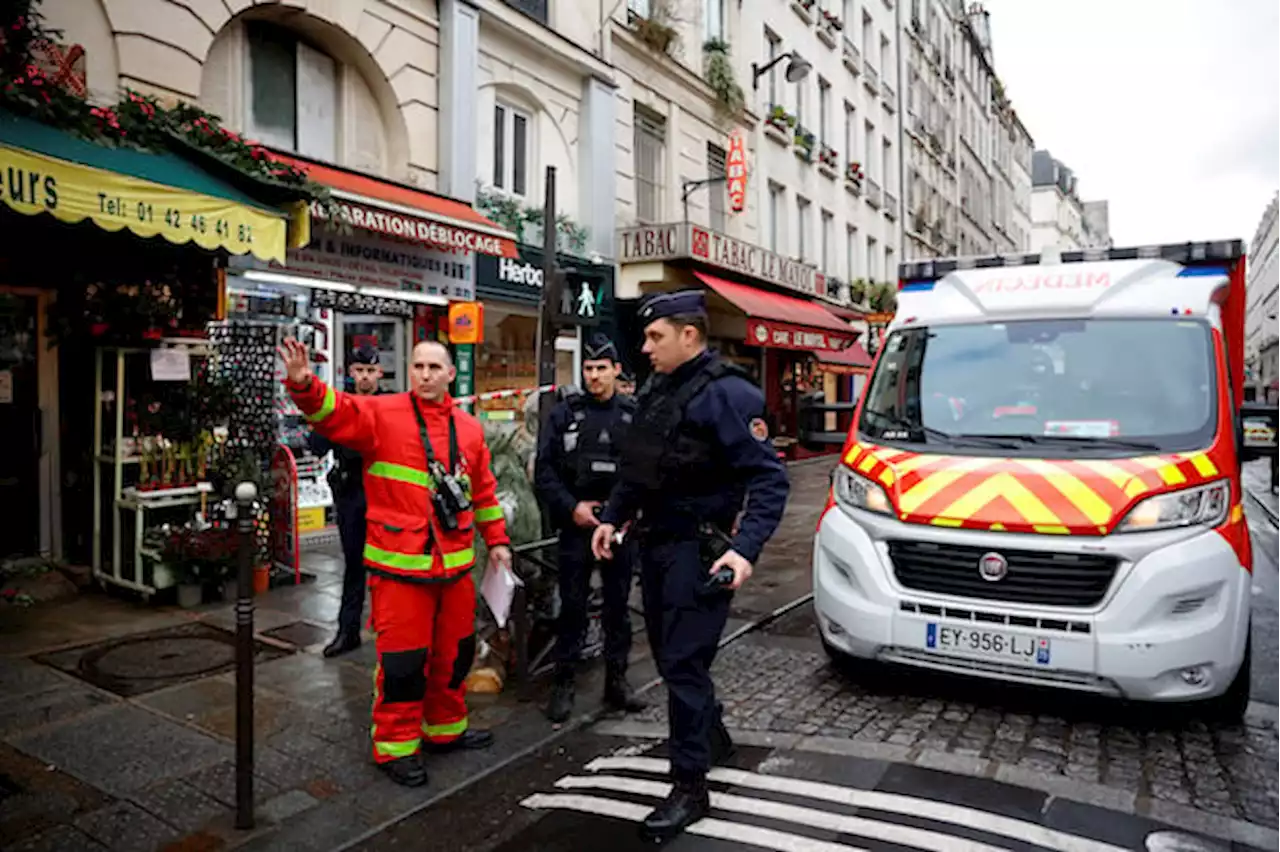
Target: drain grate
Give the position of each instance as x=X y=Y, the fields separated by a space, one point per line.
x=144 y=662
x=300 y=634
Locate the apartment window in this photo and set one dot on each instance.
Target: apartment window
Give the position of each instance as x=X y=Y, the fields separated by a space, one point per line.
x=639 y=7
x=866 y=35
x=715 y=200
x=869 y=148
x=828 y=226
x=890 y=266
x=773 y=45
x=824 y=111
x=510 y=149
x=775 y=212
x=887 y=159
x=873 y=257
x=714 y=19
x=850 y=132
x=293 y=93
x=886 y=58
x=802 y=227
x=650 y=142
x=851 y=253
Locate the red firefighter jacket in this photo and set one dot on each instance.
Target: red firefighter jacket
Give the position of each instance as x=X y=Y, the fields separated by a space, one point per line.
x=404 y=539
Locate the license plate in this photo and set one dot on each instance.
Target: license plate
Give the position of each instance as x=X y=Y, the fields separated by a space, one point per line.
x=991 y=644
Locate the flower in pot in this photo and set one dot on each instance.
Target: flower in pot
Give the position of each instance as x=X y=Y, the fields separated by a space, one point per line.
x=853 y=171
x=779 y=118
x=832 y=20
x=828 y=156
x=804 y=142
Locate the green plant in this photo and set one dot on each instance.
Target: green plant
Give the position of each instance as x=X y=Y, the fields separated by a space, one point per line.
x=515 y=216
x=882 y=298
x=804 y=144
x=510 y=452
x=857 y=290
x=730 y=99
x=657 y=31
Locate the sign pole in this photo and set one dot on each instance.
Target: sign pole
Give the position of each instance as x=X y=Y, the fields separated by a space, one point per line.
x=548 y=302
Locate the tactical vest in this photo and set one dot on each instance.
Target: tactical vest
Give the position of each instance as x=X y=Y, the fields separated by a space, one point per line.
x=589 y=457
x=664 y=450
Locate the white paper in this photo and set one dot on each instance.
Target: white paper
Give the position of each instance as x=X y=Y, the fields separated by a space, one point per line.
x=6 y=387
x=170 y=365
x=498 y=589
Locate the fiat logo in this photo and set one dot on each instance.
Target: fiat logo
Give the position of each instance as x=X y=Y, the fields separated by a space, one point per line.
x=993 y=567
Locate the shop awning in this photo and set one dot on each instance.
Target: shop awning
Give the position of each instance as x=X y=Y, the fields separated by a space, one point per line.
x=403 y=211
x=853 y=359
x=47 y=170
x=784 y=322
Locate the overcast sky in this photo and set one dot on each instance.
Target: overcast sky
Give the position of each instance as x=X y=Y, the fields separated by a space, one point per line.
x=1168 y=109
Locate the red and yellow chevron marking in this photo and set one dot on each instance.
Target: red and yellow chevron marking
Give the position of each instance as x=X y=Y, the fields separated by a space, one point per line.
x=1052 y=496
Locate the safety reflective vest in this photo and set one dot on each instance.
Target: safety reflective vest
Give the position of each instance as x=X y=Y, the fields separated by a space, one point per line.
x=404 y=540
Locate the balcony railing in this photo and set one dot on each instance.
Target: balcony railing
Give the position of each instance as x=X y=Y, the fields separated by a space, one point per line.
x=873 y=194
x=852 y=58
x=870 y=78
x=891 y=205
x=536 y=9
x=888 y=95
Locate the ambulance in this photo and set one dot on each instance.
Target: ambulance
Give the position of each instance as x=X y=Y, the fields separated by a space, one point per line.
x=1042 y=481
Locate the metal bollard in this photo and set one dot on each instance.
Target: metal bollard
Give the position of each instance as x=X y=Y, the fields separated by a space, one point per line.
x=246 y=493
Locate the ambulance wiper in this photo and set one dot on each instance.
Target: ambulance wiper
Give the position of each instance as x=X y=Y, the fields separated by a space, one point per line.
x=895 y=424
x=1076 y=441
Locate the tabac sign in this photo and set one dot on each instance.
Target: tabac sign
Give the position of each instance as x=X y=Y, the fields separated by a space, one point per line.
x=685 y=241
x=735 y=167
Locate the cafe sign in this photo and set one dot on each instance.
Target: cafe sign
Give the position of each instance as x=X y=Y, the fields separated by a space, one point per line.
x=685 y=241
x=780 y=335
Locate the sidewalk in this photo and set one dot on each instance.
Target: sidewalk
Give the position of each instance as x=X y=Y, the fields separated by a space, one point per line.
x=1257 y=478
x=117 y=720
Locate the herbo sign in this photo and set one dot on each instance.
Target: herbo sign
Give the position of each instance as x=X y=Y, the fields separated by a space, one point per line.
x=735 y=166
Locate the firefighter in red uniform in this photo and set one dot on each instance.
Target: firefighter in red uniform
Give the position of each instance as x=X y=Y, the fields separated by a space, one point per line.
x=429 y=486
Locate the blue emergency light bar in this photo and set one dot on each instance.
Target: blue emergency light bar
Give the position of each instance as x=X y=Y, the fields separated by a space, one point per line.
x=914 y=274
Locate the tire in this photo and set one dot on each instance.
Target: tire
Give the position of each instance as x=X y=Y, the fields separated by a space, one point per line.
x=1229 y=707
x=848 y=665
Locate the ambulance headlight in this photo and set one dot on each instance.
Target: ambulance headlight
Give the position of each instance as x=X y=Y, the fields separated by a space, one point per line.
x=857 y=492
x=1203 y=505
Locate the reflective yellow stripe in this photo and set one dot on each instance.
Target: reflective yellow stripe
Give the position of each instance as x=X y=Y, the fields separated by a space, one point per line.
x=401 y=473
x=452 y=729
x=326 y=407
x=416 y=561
x=488 y=513
x=404 y=749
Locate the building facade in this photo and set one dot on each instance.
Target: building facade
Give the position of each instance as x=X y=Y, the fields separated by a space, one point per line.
x=1057 y=214
x=1097 y=225
x=968 y=157
x=1261 y=342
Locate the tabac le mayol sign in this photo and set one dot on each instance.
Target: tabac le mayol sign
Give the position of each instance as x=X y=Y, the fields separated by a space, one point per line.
x=682 y=240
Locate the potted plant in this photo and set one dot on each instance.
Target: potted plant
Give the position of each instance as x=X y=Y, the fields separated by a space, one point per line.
x=828 y=157
x=780 y=119
x=729 y=96
x=853 y=172
x=804 y=142
x=832 y=21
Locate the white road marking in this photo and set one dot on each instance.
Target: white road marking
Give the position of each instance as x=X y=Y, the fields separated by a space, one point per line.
x=893 y=802
x=750 y=835
x=875 y=829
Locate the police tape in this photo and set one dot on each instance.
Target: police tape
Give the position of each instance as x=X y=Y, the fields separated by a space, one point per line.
x=504 y=394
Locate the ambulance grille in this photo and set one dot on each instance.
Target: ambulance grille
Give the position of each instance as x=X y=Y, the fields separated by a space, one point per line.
x=1034 y=577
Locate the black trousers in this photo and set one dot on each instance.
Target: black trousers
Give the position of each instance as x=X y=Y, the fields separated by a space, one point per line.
x=351 y=531
x=575 y=563
x=684 y=622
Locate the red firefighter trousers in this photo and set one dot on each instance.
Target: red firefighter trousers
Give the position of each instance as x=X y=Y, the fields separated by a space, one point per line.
x=426 y=643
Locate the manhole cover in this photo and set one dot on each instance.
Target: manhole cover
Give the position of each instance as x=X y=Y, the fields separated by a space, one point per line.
x=145 y=662
x=300 y=634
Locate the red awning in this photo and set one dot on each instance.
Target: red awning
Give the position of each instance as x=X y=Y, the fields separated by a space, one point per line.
x=854 y=356
x=397 y=210
x=784 y=322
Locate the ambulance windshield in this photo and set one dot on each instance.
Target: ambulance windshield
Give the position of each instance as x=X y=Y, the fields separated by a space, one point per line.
x=1098 y=386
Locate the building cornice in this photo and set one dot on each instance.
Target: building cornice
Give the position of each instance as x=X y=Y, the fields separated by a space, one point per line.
x=514 y=22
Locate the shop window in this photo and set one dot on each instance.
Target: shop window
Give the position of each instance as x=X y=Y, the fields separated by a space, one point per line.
x=292 y=93
x=650 y=144
x=507 y=359
x=511 y=149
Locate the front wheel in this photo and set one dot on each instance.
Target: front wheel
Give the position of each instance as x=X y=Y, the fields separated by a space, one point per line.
x=1229 y=707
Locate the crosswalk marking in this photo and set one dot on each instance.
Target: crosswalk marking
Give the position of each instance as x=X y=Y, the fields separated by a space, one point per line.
x=892 y=802
x=751 y=835
x=892 y=832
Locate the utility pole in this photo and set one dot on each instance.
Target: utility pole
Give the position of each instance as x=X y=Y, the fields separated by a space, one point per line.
x=548 y=303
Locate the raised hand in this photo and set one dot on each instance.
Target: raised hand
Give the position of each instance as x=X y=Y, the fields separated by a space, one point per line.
x=297 y=360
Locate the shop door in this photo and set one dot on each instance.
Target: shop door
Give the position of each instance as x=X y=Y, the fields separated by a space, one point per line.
x=19 y=426
x=386 y=334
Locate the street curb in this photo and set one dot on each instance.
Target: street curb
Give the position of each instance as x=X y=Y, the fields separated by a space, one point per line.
x=1227 y=829
x=578 y=724
x=1261 y=504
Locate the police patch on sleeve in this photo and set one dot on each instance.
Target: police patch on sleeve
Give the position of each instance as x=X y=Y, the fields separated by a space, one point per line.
x=759 y=429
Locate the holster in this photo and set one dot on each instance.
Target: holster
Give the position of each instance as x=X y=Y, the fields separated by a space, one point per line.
x=713 y=543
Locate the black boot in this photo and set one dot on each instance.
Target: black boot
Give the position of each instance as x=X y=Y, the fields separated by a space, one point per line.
x=618 y=694
x=470 y=740
x=560 y=706
x=689 y=802
x=406 y=771
x=346 y=640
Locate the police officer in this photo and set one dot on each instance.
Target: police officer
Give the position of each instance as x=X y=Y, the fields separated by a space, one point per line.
x=576 y=468
x=698 y=450
x=627 y=383
x=346 y=483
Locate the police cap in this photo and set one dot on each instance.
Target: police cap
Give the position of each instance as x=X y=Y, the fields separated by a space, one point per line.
x=599 y=347
x=365 y=354
x=680 y=303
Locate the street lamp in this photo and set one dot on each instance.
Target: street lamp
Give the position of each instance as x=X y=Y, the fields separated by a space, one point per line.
x=797 y=68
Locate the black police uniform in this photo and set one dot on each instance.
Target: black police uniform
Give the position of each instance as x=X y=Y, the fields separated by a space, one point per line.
x=346 y=482
x=578 y=456
x=698 y=450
